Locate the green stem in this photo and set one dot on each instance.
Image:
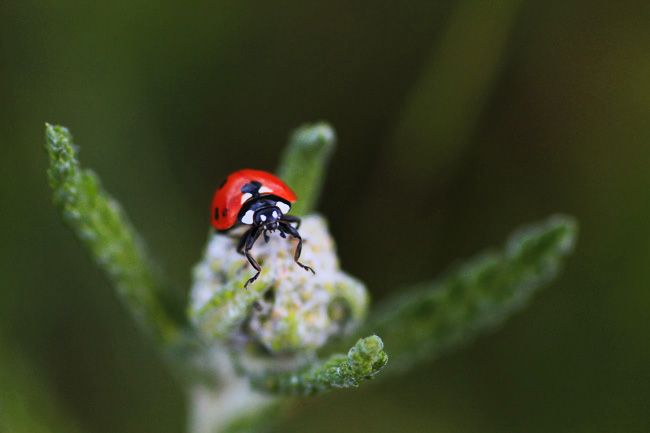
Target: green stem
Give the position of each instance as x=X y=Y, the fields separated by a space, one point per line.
x=304 y=162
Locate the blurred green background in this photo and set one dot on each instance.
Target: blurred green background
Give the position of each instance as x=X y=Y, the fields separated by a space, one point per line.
x=457 y=122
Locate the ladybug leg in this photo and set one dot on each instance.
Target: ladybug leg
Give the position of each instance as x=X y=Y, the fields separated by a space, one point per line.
x=242 y=243
x=251 y=236
x=242 y=240
x=290 y=230
x=291 y=219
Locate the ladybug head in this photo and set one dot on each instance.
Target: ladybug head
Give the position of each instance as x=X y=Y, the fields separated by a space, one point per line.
x=264 y=211
x=268 y=217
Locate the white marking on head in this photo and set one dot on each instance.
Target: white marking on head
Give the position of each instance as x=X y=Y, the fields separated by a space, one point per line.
x=263 y=217
x=245 y=197
x=275 y=214
x=284 y=208
x=248 y=217
x=264 y=190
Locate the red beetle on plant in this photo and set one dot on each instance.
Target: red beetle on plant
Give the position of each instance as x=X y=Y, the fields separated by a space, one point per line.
x=258 y=199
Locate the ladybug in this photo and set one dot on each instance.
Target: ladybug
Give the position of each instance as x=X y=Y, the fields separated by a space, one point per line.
x=258 y=199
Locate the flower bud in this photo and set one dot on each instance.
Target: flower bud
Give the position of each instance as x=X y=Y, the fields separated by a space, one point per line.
x=287 y=309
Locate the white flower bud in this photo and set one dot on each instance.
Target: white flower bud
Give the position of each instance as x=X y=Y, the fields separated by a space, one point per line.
x=287 y=308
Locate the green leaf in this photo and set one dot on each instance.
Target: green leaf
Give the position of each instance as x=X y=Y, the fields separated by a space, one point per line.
x=103 y=228
x=304 y=161
x=475 y=297
x=363 y=361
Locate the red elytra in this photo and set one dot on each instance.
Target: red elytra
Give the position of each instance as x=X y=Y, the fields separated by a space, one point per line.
x=231 y=194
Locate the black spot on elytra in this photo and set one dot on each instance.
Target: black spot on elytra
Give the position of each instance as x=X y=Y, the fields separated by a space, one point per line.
x=216 y=213
x=251 y=187
x=223 y=182
x=225 y=211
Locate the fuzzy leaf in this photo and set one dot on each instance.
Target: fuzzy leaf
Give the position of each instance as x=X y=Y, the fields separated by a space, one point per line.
x=304 y=162
x=475 y=297
x=363 y=361
x=101 y=225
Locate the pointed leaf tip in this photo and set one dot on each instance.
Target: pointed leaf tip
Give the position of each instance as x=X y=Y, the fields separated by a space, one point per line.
x=304 y=162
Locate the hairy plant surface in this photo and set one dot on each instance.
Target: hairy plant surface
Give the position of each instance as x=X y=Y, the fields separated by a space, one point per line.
x=240 y=353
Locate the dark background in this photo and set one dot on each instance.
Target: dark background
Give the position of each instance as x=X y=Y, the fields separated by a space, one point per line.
x=457 y=122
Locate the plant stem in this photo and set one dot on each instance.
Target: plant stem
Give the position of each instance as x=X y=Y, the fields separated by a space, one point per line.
x=233 y=402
